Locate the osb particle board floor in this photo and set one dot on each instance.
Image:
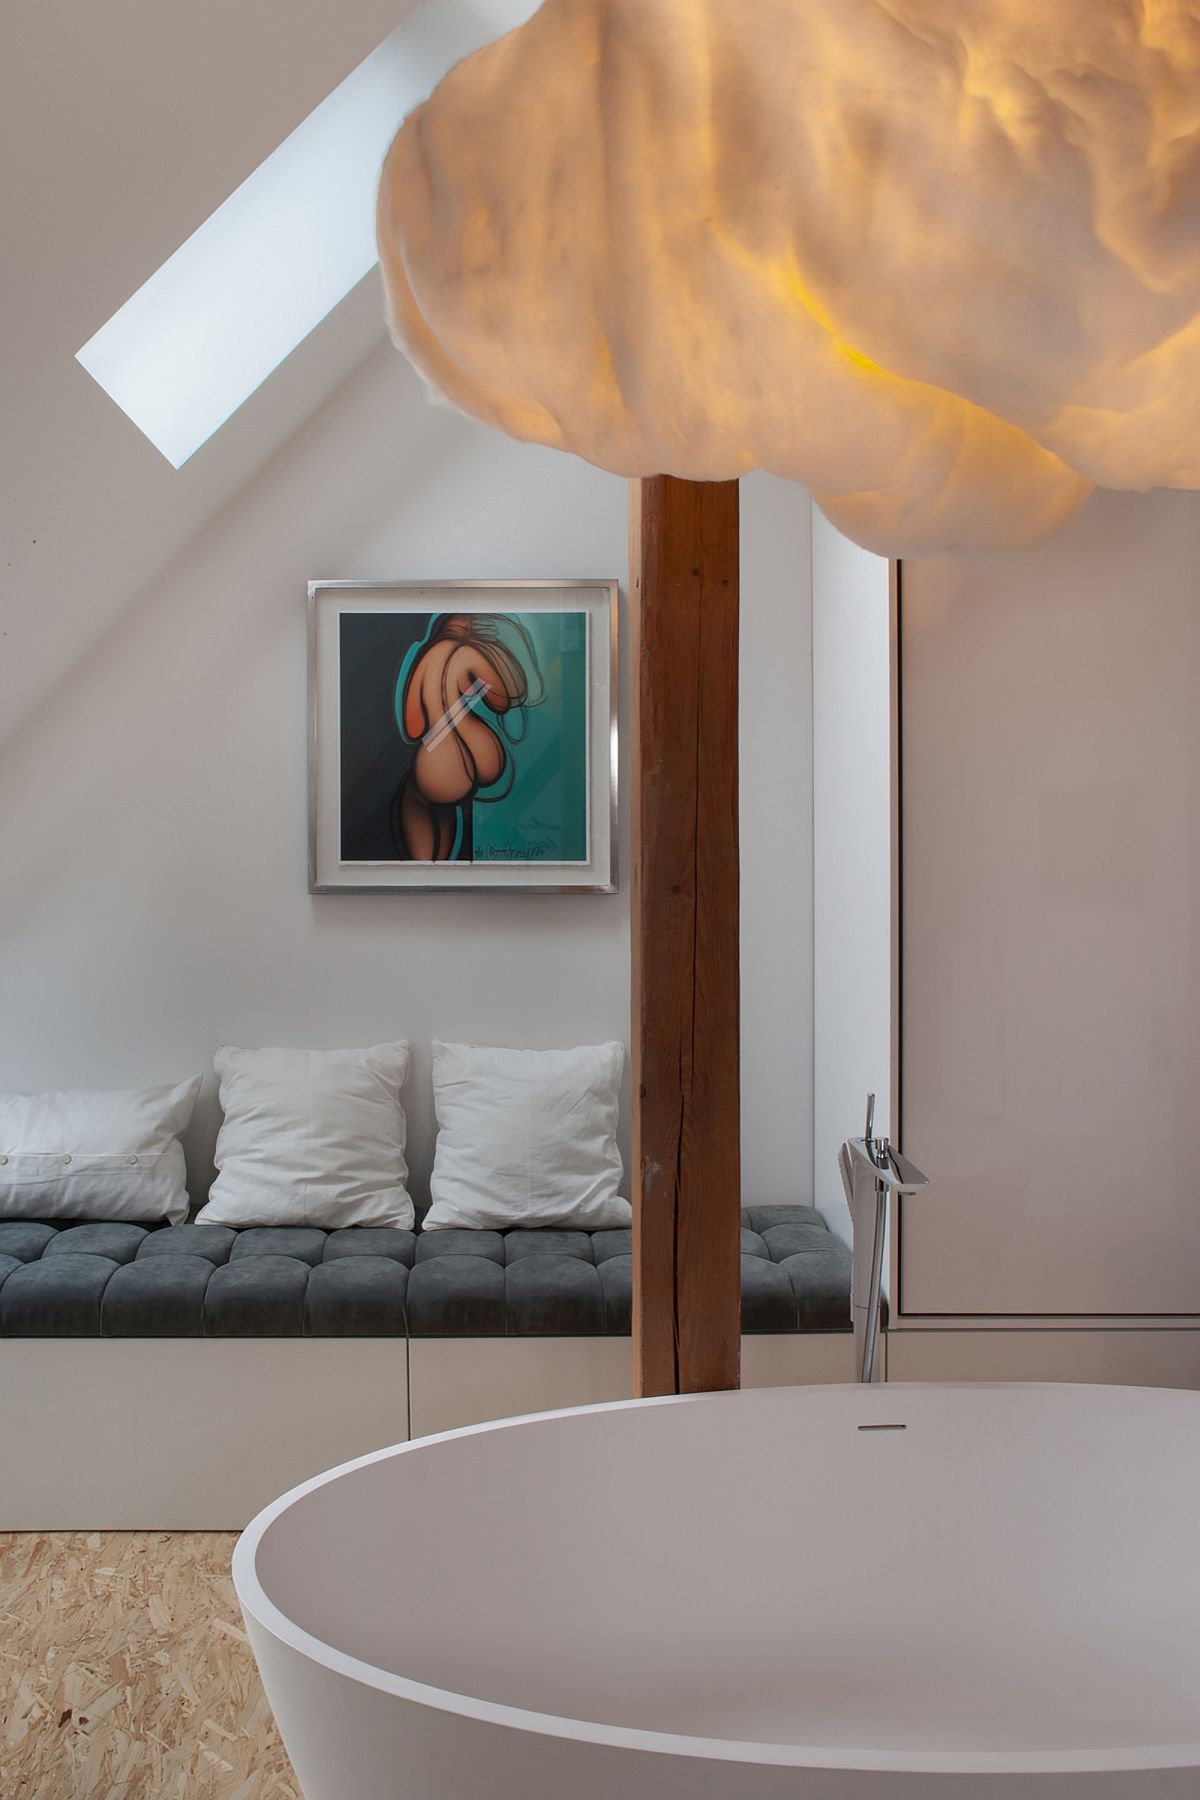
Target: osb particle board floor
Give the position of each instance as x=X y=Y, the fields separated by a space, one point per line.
x=125 y=1673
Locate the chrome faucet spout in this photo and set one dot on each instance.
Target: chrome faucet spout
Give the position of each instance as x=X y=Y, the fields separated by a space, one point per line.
x=871 y=1170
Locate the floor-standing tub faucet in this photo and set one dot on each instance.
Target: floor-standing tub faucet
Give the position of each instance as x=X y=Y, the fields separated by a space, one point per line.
x=871 y=1169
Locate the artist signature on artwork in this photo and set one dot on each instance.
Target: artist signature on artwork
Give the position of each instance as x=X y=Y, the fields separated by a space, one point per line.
x=515 y=852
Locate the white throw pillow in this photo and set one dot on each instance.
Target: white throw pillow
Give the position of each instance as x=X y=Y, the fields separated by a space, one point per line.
x=95 y=1153
x=311 y=1137
x=527 y=1137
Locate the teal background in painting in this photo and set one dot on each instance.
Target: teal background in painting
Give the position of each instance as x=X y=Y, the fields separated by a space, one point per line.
x=545 y=817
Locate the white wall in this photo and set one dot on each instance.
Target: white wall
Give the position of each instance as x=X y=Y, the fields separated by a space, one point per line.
x=776 y=842
x=152 y=805
x=852 y=902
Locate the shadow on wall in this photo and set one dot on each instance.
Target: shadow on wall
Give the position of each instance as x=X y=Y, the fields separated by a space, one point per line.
x=94 y=514
x=372 y=440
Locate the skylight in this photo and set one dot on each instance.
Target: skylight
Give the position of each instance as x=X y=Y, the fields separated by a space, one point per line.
x=212 y=323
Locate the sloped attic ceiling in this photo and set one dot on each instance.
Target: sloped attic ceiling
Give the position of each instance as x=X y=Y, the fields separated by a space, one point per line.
x=121 y=128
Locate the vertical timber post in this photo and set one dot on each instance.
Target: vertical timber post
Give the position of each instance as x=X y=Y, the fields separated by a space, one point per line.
x=683 y=594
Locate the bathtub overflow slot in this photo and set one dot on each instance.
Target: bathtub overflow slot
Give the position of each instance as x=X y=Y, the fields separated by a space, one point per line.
x=883 y=1428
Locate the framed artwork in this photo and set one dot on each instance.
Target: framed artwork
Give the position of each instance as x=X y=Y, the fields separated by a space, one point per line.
x=463 y=734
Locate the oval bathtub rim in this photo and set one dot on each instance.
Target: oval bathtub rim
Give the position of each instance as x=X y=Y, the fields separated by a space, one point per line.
x=255 y=1601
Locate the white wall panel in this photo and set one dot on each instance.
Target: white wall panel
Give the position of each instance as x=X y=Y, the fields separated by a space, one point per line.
x=1051 y=920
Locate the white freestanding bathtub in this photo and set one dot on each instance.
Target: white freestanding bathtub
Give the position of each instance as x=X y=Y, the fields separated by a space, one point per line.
x=819 y=1593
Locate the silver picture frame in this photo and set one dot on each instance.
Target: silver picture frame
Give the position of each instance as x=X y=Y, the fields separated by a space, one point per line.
x=328 y=871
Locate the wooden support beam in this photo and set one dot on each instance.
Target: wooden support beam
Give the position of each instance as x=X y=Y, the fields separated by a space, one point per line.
x=683 y=589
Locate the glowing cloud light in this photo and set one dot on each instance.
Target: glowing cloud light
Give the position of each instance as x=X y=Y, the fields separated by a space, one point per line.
x=940 y=263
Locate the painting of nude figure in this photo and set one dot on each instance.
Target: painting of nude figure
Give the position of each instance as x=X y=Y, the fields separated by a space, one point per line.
x=464 y=737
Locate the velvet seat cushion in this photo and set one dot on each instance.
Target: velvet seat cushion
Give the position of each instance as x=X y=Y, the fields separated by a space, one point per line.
x=121 y=1280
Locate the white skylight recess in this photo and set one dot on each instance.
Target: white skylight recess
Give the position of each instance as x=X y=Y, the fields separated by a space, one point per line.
x=212 y=323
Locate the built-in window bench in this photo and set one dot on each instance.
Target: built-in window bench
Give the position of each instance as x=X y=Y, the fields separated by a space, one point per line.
x=183 y=1376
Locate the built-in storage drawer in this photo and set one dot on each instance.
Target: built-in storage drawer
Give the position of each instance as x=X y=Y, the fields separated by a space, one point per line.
x=1125 y=1357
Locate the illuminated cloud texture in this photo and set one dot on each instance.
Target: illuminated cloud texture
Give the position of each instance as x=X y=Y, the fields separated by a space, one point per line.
x=939 y=262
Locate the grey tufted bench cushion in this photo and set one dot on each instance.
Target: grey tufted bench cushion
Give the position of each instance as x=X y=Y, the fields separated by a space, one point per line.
x=113 y=1280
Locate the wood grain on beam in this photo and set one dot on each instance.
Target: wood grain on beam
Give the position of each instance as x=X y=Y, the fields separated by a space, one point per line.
x=686 y=1142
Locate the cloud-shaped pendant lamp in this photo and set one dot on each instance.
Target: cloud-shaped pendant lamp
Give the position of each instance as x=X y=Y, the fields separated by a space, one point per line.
x=939 y=260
